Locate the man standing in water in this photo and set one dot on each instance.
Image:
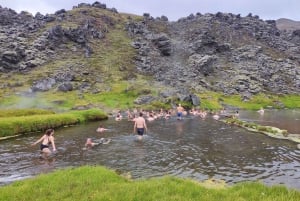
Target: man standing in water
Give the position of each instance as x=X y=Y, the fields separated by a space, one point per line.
x=180 y=111
x=140 y=126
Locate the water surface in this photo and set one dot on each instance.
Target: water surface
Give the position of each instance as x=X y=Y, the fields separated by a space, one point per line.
x=192 y=148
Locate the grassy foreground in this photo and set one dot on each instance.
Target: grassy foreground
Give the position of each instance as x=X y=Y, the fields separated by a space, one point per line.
x=98 y=183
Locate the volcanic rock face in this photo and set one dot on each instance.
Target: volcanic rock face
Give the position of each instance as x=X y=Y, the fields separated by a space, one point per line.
x=26 y=42
x=221 y=52
x=29 y=42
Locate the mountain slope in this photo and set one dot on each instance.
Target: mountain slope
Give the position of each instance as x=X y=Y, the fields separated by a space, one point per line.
x=287 y=24
x=95 y=56
x=222 y=52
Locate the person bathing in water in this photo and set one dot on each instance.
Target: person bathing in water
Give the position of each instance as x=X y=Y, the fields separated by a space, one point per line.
x=180 y=111
x=140 y=126
x=89 y=143
x=261 y=111
x=46 y=140
x=101 y=129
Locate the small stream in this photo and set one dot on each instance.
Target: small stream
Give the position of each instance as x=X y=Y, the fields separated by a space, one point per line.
x=192 y=148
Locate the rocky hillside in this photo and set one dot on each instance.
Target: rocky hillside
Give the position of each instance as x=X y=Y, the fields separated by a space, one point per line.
x=221 y=52
x=91 y=47
x=84 y=50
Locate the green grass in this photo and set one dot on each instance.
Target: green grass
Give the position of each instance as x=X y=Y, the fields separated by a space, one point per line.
x=215 y=100
x=23 y=112
x=210 y=100
x=98 y=183
x=255 y=103
x=10 y=126
x=290 y=101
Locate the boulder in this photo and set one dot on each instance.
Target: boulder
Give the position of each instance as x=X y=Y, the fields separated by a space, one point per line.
x=43 y=85
x=195 y=100
x=144 y=99
x=65 y=87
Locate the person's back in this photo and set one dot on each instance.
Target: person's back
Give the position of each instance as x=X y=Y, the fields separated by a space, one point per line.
x=180 y=111
x=140 y=122
x=140 y=125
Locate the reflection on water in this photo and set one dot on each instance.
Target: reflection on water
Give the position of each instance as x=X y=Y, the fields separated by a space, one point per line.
x=284 y=119
x=194 y=148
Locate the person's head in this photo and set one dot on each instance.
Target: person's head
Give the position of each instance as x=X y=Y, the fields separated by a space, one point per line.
x=141 y=114
x=179 y=105
x=49 y=131
x=88 y=141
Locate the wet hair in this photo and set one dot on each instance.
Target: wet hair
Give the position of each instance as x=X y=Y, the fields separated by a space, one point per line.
x=49 y=131
x=141 y=114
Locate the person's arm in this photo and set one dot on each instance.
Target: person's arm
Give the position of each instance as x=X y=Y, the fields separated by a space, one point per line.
x=53 y=144
x=134 y=127
x=39 y=140
x=145 y=126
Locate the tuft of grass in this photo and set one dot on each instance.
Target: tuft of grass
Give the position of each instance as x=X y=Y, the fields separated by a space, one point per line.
x=99 y=183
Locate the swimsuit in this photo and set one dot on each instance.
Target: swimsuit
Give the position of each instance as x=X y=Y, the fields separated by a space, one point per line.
x=44 y=146
x=140 y=131
x=179 y=114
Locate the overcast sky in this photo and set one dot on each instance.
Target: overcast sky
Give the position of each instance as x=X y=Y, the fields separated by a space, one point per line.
x=173 y=9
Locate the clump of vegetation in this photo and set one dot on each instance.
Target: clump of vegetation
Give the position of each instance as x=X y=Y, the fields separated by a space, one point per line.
x=234 y=121
x=268 y=129
x=250 y=125
x=262 y=129
x=284 y=133
x=256 y=127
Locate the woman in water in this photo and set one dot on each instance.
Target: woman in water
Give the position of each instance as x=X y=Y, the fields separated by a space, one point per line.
x=101 y=129
x=89 y=143
x=46 y=140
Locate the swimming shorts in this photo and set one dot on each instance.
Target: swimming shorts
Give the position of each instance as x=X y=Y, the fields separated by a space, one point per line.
x=179 y=114
x=44 y=146
x=140 y=131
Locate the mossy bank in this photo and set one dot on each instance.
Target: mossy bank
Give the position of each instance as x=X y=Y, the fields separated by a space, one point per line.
x=19 y=122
